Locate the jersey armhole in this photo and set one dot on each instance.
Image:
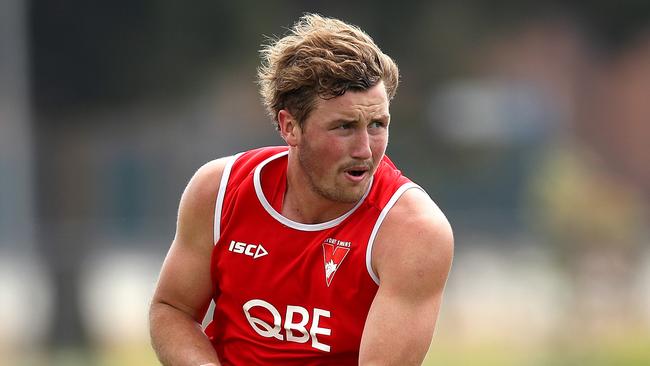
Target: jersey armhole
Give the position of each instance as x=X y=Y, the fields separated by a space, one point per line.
x=218 y=207
x=221 y=193
x=378 y=223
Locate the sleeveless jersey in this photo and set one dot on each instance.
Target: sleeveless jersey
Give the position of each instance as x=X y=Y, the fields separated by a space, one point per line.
x=288 y=293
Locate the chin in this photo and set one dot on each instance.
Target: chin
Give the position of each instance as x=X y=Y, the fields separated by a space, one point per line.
x=352 y=195
x=343 y=195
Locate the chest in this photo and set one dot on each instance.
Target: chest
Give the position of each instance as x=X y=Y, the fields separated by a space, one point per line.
x=257 y=256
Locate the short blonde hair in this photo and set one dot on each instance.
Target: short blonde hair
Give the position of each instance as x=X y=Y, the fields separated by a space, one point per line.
x=320 y=57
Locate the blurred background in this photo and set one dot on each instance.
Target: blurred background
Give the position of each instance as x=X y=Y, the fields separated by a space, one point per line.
x=528 y=122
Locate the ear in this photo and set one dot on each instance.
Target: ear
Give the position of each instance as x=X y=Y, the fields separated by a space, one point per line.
x=289 y=127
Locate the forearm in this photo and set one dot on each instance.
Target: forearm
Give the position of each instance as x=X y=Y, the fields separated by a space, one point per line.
x=178 y=339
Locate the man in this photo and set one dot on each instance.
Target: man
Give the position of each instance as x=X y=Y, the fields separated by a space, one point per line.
x=315 y=253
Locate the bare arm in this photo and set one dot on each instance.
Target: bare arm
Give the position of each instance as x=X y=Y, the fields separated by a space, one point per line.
x=412 y=256
x=184 y=288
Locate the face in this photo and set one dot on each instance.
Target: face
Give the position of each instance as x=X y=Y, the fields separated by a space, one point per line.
x=342 y=141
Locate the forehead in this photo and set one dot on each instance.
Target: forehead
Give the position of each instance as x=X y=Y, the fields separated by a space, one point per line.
x=355 y=104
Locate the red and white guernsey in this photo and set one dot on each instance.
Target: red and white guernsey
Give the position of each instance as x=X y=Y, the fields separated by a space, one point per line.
x=288 y=293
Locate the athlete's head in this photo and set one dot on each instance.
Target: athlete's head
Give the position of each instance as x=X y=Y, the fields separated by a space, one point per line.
x=321 y=58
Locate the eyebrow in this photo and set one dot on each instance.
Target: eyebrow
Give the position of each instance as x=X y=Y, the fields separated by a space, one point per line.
x=383 y=116
x=354 y=120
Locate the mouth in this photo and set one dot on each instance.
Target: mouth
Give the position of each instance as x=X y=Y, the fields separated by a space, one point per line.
x=356 y=173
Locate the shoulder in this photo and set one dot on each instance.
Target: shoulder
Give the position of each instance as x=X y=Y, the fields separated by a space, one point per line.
x=415 y=242
x=201 y=192
x=196 y=209
x=204 y=184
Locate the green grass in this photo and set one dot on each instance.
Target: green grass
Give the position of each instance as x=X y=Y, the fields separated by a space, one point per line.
x=629 y=352
x=632 y=351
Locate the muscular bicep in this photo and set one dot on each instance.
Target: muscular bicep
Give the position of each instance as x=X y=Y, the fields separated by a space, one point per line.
x=185 y=281
x=412 y=257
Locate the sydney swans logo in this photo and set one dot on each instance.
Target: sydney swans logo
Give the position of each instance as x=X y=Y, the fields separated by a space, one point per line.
x=334 y=251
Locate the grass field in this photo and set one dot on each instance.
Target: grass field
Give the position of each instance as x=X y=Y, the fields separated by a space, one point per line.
x=634 y=351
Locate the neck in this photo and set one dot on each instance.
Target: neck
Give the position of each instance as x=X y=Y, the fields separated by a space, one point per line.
x=302 y=203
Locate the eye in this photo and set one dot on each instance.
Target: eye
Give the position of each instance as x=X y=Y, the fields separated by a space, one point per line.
x=377 y=124
x=345 y=126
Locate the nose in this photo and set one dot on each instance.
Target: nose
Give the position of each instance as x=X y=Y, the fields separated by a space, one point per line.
x=361 y=148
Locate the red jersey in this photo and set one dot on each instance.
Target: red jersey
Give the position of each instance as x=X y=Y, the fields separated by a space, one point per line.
x=288 y=293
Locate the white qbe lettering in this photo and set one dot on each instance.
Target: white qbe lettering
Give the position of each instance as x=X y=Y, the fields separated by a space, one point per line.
x=295 y=321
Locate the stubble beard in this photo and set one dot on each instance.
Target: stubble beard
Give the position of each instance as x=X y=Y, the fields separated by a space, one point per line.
x=307 y=159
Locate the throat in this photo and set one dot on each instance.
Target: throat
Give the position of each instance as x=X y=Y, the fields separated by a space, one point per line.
x=312 y=211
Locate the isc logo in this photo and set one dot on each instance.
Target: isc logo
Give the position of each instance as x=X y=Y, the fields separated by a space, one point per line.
x=250 y=250
x=269 y=323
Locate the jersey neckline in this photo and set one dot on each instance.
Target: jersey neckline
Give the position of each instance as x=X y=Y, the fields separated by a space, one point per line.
x=294 y=224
